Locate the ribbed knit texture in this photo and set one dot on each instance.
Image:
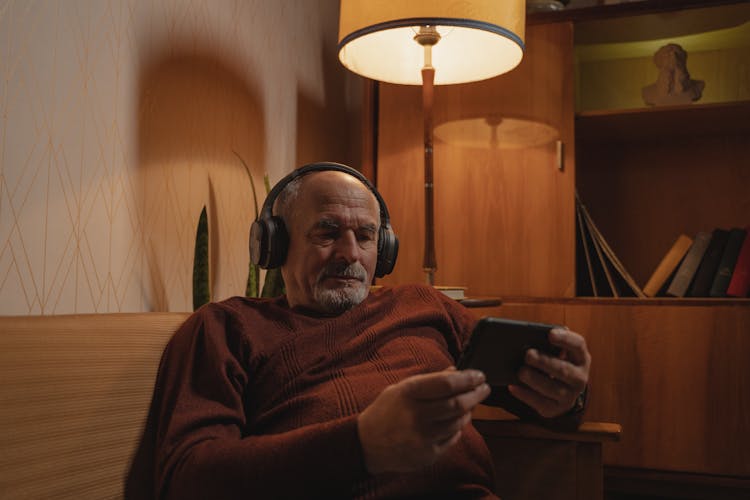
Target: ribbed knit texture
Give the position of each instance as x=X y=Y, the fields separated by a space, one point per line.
x=257 y=400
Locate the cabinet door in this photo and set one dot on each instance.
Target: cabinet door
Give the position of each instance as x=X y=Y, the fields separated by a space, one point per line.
x=676 y=379
x=504 y=218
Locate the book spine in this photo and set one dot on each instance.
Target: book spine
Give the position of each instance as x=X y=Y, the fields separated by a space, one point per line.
x=668 y=264
x=686 y=272
x=727 y=262
x=585 y=282
x=707 y=270
x=739 y=285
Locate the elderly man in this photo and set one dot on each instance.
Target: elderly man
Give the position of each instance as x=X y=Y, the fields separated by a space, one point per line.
x=331 y=391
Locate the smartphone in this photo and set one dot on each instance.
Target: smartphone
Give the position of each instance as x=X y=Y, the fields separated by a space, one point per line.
x=497 y=347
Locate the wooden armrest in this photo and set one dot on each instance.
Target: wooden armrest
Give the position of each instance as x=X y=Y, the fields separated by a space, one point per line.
x=490 y=421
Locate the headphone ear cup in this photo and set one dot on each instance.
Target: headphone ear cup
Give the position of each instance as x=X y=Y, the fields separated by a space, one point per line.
x=387 y=251
x=278 y=239
x=269 y=242
x=258 y=243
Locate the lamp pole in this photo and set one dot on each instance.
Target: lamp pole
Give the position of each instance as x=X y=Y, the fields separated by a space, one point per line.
x=427 y=37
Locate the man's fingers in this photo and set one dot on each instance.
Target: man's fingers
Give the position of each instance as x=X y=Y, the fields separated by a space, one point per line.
x=438 y=432
x=544 y=406
x=560 y=370
x=573 y=344
x=442 y=384
x=454 y=406
x=550 y=388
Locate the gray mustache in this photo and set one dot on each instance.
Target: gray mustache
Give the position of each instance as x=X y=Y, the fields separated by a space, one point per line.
x=355 y=270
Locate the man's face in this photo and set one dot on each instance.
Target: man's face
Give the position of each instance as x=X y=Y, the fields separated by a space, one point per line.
x=333 y=229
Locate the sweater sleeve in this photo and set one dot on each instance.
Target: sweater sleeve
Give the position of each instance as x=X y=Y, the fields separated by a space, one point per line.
x=198 y=410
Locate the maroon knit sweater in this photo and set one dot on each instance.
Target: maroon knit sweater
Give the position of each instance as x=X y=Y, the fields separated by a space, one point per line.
x=257 y=400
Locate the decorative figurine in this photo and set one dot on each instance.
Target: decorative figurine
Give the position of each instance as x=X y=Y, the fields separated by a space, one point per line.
x=673 y=86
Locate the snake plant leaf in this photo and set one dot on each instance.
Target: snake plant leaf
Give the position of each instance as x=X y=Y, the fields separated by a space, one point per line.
x=273 y=286
x=253 y=280
x=252 y=182
x=201 y=290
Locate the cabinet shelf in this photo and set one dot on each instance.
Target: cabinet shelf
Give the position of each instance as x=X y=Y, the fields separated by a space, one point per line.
x=628 y=301
x=610 y=11
x=660 y=123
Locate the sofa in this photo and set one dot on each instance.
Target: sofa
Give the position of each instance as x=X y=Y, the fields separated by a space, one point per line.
x=75 y=389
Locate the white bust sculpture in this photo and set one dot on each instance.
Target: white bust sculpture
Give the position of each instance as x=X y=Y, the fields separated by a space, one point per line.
x=673 y=86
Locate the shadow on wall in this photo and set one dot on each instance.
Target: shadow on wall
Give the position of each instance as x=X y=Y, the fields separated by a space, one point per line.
x=331 y=129
x=194 y=112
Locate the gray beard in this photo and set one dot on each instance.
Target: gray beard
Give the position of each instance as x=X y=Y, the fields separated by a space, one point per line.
x=338 y=300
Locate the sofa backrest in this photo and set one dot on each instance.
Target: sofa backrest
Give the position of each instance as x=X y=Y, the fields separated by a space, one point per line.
x=74 y=393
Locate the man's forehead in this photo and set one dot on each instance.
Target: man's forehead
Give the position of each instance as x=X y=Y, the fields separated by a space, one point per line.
x=336 y=191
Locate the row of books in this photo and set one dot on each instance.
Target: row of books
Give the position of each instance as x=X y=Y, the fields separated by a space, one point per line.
x=711 y=264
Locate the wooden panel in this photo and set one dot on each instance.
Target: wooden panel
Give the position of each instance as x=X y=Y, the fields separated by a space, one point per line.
x=497 y=210
x=676 y=379
x=532 y=462
x=528 y=468
x=546 y=312
x=673 y=376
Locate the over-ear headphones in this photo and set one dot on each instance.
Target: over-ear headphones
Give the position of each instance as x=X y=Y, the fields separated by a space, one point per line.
x=269 y=239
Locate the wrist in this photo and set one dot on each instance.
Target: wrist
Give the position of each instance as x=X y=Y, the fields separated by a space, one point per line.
x=580 y=403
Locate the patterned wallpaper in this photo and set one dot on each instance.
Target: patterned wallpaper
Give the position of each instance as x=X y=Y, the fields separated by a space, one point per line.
x=120 y=120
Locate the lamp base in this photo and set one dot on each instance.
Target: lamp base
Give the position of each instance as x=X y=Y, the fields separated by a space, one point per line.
x=429 y=275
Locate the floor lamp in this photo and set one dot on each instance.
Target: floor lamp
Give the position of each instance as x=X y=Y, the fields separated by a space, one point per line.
x=427 y=43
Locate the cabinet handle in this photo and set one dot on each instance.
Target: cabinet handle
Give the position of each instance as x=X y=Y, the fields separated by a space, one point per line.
x=560 y=157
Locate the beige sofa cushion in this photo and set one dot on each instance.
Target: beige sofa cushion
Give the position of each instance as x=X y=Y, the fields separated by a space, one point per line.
x=74 y=392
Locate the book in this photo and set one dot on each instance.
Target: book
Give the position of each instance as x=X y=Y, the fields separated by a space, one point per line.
x=454 y=292
x=608 y=284
x=610 y=277
x=726 y=264
x=585 y=281
x=704 y=276
x=739 y=285
x=667 y=265
x=679 y=285
x=600 y=281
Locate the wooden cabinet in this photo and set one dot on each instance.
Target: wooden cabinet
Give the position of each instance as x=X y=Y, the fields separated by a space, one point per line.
x=673 y=372
x=491 y=204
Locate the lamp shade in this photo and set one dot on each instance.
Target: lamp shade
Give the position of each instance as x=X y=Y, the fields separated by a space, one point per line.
x=478 y=39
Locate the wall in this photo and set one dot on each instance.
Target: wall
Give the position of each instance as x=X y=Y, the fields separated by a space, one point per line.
x=121 y=119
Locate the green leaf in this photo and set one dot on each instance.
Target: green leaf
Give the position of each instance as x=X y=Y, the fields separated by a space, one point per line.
x=252 y=182
x=201 y=290
x=253 y=279
x=273 y=286
x=267 y=183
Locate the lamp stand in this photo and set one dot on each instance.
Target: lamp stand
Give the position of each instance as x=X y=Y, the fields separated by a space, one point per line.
x=427 y=37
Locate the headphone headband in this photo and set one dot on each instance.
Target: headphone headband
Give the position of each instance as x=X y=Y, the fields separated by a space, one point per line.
x=267 y=209
x=269 y=239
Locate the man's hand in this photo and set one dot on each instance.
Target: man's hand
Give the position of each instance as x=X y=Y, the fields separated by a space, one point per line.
x=551 y=385
x=411 y=423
